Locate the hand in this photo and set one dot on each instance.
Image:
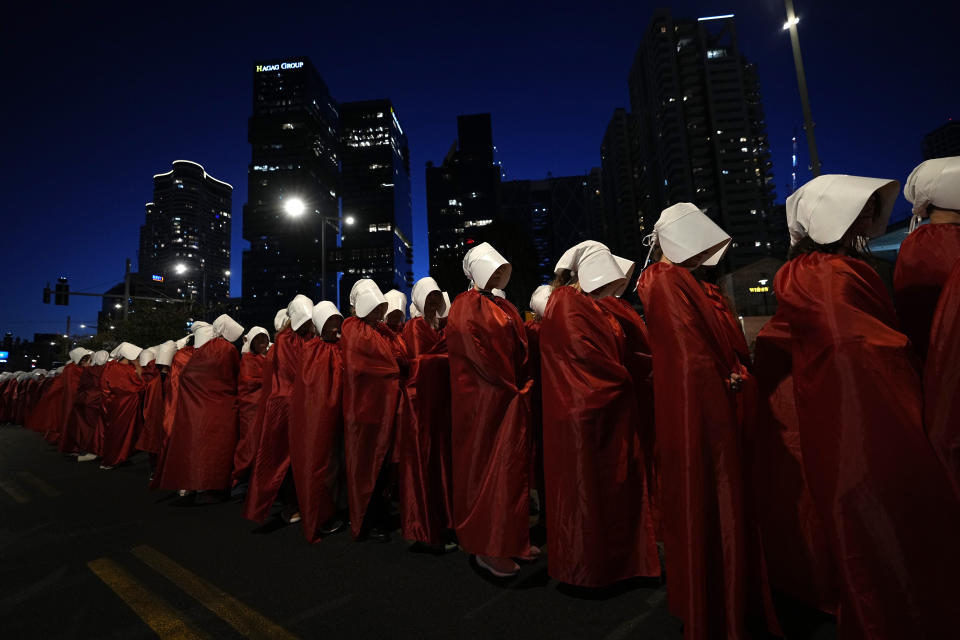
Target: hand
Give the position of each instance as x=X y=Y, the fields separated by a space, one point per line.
x=734 y=381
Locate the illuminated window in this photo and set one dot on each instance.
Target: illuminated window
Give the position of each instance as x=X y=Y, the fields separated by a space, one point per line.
x=716 y=53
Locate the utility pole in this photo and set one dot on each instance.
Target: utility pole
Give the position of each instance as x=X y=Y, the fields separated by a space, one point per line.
x=126 y=291
x=808 y=123
x=68 y=326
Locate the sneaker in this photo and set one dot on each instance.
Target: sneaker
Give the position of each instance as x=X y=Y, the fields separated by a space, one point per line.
x=184 y=493
x=87 y=457
x=333 y=526
x=290 y=515
x=106 y=467
x=500 y=567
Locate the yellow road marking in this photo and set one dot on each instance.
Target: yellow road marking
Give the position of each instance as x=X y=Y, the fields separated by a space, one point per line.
x=46 y=488
x=165 y=621
x=13 y=490
x=247 y=621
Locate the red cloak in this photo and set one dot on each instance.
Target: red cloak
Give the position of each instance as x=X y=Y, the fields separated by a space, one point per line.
x=490 y=440
x=180 y=360
x=70 y=376
x=924 y=263
x=531 y=329
x=122 y=411
x=199 y=451
x=891 y=519
x=84 y=420
x=249 y=386
x=47 y=414
x=700 y=441
x=941 y=380
x=271 y=459
x=151 y=435
x=593 y=461
x=315 y=429
x=423 y=438
x=794 y=541
x=372 y=406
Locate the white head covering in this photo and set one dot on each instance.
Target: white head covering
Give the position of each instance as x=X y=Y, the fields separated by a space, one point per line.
x=593 y=264
x=227 y=328
x=414 y=312
x=182 y=342
x=147 y=356
x=365 y=296
x=396 y=301
x=446 y=305
x=253 y=333
x=126 y=350
x=538 y=301
x=684 y=231
x=203 y=335
x=76 y=355
x=279 y=319
x=199 y=324
x=39 y=373
x=828 y=205
x=423 y=288
x=481 y=262
x=323 y=312
x=934 y=182
x=500 y=293
x=100 y=358
x=300 y=310
x=626 y=266
x=166 y=352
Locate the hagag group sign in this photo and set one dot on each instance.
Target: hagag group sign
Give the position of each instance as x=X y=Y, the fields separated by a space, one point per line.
x=283 y=66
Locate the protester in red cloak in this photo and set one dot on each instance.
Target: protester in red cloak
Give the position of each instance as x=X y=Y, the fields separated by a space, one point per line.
x=185 y=351
x=941 y=380
x=884 y=501
x=928 y=254
x=593 y=460
x=270 y=471
x=396 y=310
x=316 y=426
x=249 y=385
x=373 y=402
x=490 y=445
x=79 y=359
x=716 y=584
x=423 y=438
x=794 y=541
x=121 y=388
x=538 y=304
x=199 y=451
x=151 y=435
x=43 y=416
x=84 y=419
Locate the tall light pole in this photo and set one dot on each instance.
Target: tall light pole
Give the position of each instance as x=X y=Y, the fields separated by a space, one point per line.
x=808 y=124
x=295 y=207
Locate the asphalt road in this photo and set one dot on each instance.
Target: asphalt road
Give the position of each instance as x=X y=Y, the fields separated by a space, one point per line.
x=86 y=553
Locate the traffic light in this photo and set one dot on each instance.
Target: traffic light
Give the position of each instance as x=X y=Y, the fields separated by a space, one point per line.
x=46 y=294
x=62 y=292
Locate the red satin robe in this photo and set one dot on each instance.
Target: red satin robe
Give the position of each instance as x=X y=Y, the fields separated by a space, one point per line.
x=84 y=420
x=271 y=459
x=891 y=519
x=924 y=263
x=713 y=588
x=593 y=459
x=249 y=386
x=531 y=329
x=47 y=413
x=199 y=451
x=423 y=437
x=121 y=389
x=373 y=404
x=490 y=407
x=70 y=376
x=941 y=380
x=794 y=541
x=151 y=435
x=315 y=431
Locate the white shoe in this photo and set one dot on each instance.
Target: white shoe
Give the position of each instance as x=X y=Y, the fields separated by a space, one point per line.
x=106 y=467
x=87 y=457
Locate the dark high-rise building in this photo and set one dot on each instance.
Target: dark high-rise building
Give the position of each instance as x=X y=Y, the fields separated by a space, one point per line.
x=942 y=142
x=375 y=190
x=625 y=222
x=185 y=241
x=291 y=215
x=699 y=134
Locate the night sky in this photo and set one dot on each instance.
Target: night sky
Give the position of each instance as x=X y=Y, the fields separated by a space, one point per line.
x=96 y=101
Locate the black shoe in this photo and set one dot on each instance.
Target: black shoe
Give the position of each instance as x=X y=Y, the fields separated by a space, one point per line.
x=333 y=526
x=378 y=535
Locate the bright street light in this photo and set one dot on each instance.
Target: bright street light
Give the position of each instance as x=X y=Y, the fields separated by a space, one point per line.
x=294 y=207
x=117 y=306
x=227 y=273
x=349 y=220
x=180 y=268
x=790 y=23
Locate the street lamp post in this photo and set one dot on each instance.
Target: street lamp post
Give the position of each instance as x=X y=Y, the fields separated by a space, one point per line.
x=295 y=207
x=808 y=124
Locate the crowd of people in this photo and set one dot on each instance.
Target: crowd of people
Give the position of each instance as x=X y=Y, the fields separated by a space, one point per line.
x=823 y=464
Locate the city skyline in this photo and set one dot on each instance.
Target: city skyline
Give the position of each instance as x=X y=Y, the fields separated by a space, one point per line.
x=551 y=87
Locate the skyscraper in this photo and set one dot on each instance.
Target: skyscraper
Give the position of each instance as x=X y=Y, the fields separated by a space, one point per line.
x=375 y=179
x=291 y=215
x=185 y=240
x=699 y=133
x=942 y=142
x=625 y=221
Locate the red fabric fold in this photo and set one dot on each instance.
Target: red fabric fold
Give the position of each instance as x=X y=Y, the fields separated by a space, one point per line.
x=886 y=505
x=490 y=441
x=924 y=263
x=85 y=418
x=372 y=406
x=122 y=418
x=315 y=431
x=151 y=435
x=70 y=376
x=199 y=451
x=47 y=414
x=249 y=386
x=597 y=514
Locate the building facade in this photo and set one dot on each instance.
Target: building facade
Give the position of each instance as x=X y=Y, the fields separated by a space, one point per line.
x=376 y=237
x=185 y=240
x=292 y=212
x=698 y=133
x=942 y=142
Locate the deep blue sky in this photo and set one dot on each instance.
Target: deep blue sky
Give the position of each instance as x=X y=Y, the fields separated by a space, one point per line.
x=98 y=100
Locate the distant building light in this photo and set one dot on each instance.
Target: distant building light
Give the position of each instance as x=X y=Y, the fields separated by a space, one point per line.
x=723 y=17
x=157 y=278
